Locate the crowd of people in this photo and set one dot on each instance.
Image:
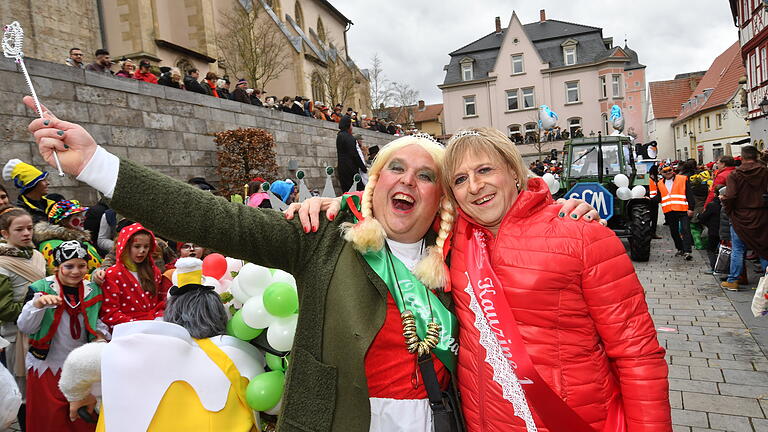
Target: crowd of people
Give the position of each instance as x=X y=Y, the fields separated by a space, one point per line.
x=724 y=202
x=358 y=361
x=68 y=275
x=221 y=87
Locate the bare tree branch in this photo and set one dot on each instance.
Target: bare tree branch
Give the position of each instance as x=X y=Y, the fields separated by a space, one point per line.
x=338 y=81
x=381 y=93
x=405 y=98
x=251 y=46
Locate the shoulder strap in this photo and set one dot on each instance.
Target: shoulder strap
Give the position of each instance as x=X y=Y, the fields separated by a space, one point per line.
x=428 y=374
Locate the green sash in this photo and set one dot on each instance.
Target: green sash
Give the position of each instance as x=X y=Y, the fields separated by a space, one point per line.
x=415 y=299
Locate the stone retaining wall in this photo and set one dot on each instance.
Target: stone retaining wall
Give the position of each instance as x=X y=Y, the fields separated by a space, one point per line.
x=167 y=129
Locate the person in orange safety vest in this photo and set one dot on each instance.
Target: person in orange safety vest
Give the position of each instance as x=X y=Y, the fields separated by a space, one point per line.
x=674 y=194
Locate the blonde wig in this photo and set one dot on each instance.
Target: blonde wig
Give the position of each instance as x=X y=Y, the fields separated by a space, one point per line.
x=369 y=235
x=488 y=141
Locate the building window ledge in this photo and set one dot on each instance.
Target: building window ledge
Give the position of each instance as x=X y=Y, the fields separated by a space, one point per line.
x=517 y=74
x=573 y=103
x=618 y=97
x=602 y=98
x=472 y=116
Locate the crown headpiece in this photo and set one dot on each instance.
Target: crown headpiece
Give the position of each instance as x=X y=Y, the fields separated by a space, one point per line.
x=463 y=133
x=426 y=136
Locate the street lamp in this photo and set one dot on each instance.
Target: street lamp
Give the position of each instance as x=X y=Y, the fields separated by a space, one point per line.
x=690 y=135
x=763 y=105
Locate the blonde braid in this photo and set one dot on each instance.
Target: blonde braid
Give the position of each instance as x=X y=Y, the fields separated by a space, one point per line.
x=431 y=270
x=367 y=234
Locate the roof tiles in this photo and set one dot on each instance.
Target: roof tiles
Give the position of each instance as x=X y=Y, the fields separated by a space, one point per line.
x=723 y=77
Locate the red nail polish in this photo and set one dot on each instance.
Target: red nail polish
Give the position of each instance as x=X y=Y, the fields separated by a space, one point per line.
x=314 y=229
x=306 y=230
x=332 y=217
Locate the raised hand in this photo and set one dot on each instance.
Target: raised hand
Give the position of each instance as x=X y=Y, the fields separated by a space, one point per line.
x=47 y=300
x=74 y=145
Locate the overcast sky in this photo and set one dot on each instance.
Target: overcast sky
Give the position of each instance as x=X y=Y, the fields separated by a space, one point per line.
x=413 y=37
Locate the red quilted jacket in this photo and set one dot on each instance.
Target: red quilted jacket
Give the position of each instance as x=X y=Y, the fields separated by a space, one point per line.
x=579 y=307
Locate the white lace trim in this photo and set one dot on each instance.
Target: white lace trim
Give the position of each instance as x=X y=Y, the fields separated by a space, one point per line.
x=503 y=373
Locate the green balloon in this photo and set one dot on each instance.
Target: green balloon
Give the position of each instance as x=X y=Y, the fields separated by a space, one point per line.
x=281 y=299
x=238 y=328
x=265 y=390
x=274 y=362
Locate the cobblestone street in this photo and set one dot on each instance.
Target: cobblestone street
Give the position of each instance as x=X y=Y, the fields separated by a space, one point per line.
x=718 y=371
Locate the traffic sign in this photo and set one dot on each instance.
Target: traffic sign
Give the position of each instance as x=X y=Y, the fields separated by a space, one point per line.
x=595 y=195
x=700 y=148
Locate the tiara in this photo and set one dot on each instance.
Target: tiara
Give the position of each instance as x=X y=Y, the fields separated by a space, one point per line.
x=425 y=136
x=463 y=133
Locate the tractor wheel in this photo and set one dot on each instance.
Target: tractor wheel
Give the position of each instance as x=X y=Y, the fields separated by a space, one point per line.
x=640 y=232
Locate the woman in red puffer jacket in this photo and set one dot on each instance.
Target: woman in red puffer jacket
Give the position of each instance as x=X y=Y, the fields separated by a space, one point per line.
x=572 y=291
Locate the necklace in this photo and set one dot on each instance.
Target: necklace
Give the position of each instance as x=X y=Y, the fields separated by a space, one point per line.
x=415 y=344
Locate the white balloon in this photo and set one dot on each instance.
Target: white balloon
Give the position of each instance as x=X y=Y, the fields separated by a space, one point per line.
x=280 y=332
x=175 y=278
x=253 y=279
x=638 y=192
x=624 y=193
x=209 y=281
x=233 y=265
x=548 y=177
x=238 y=293
x=226 y=284
x=554 y=186
x=282 y=276
x=276 y=409
x=621 y=181
x=255 y=315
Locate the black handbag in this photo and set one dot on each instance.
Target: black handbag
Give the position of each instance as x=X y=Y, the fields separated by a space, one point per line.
x=446 y=413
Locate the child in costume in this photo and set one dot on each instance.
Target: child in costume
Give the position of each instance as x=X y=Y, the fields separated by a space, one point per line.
x=65 y=222
x=20 y=265
x=33 y=188
x=61 y=314
x=197 y=377
x=134 y=288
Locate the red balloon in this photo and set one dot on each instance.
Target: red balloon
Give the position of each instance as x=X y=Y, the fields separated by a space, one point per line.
x=214 y=265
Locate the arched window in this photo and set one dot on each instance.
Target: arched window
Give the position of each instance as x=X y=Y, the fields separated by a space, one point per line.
x=574 y=127
x=531 y=133
x=298 y=15
x=275 y=6
x=514 y=131
x=606 y=125
x=320 y=29
x=318 y=88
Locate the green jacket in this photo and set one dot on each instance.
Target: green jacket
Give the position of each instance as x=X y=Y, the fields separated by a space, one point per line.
x=342 y=300
x=90 y=305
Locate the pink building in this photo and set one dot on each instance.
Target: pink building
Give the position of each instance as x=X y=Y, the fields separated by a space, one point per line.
x=501 y=79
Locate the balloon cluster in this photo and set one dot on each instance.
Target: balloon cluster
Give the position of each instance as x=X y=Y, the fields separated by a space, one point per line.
x=263 y=299
x=269 y=302
x=624 y=192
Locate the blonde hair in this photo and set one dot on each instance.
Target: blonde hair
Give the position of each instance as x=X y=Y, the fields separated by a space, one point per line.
x=369 y=235
x=484 y=140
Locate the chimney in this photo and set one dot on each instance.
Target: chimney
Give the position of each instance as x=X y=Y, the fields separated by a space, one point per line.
x=498 y=24
x=542 y=15
x=421 y=105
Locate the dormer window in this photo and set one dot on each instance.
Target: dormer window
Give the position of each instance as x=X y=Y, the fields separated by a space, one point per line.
x=467 y=69
x=569 y=52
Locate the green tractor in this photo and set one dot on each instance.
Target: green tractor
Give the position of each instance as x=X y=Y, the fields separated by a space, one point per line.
x=602 y=171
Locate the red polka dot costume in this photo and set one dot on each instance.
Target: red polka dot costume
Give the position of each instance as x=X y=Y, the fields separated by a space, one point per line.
x=124 y=298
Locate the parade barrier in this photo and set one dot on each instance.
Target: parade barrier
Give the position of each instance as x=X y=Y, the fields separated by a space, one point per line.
x=166 y=129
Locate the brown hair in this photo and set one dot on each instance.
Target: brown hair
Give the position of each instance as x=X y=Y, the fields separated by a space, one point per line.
x=146 y=268
x=727 y=160
x=8 y=213
x=492 y=143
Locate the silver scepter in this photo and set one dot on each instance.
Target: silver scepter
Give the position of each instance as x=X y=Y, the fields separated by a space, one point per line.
x=13 y=39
